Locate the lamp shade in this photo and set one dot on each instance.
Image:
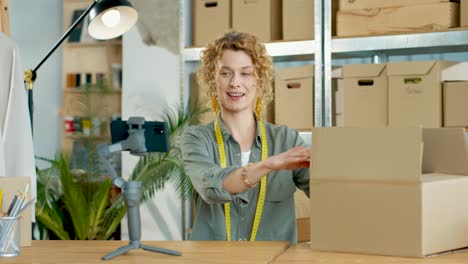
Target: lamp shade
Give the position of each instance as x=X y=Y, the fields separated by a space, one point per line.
x=111 y=18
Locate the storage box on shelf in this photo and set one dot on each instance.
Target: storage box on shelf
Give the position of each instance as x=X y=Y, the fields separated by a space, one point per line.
x=440 y=15
x=261 y=18
x=396 y=191
x=366 y=4
x=211 y=18
x=293 y=97
x=463 y=13
x=298 y=19
x=365 y=95
x=456 y=104
x=415 y=91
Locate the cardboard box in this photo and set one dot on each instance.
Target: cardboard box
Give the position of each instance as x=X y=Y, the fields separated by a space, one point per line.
x=365 y=95
x=463 y=13
x=365 y=4
x=11 y=186
x=261 y=18
x=211 y=19
x=294 y=97
x=395 y=20
x=199 y=99
x=415 y=92
x=455 y=104
x=298 y=19
x=199 y=96
x=302 y=206
x=396 y=191
x=338 y=103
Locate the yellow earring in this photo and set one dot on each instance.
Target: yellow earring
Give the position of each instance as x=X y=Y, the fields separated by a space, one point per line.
x=214 y=105
x=258 y=108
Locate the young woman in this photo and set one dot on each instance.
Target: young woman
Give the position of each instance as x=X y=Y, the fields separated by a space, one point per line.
x=244 y=169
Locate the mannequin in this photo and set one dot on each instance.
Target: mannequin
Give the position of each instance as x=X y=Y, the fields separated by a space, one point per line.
x=16 y=143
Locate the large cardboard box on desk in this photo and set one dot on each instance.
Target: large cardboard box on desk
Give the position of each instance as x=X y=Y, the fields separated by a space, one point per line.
x=455 y=104
x=211 y=18
x=261 y=18
x=294 y=97
x=395 y=20
x=365 y=95
x=11 y=186
x=389 y=191
x=415 y=90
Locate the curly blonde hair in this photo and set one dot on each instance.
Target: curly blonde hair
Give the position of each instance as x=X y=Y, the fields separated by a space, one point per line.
x=236 y=41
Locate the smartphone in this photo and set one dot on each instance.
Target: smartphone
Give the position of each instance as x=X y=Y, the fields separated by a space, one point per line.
x=156 y=134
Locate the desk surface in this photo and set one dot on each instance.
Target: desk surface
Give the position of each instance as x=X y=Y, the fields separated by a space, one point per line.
x=74 y=251
x=301 y=253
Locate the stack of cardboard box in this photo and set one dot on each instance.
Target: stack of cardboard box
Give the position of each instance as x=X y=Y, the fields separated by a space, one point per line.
x=270 y=20
x=430 y=94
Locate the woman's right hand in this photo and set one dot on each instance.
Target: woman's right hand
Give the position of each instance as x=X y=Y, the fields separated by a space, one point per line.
x=293 y=159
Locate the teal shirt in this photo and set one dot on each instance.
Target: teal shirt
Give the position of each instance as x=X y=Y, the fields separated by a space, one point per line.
x=201 y=158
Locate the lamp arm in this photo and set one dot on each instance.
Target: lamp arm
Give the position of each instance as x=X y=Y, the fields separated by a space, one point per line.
x=65 y=35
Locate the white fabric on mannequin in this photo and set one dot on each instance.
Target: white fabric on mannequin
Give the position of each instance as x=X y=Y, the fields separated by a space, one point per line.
x=16 y=143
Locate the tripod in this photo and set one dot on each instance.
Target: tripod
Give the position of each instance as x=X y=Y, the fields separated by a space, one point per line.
x=132 y=189
x=132 y=198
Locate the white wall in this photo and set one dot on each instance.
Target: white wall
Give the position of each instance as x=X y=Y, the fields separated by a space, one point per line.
x=35 y=26
x=151 y=85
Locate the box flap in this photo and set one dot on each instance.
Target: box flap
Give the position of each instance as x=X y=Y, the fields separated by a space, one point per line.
x=455 y=72
x=295 y=72
x=409 y=68
x=445 y=151
x=366 y=154
x=362 y=70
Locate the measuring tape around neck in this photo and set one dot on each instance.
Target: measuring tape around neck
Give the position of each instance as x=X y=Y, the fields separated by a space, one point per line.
x=261 y=195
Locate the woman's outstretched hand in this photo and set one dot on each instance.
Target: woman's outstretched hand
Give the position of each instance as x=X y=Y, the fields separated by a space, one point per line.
x=293 y=159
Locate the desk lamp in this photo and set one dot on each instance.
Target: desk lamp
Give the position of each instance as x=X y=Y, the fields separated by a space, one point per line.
x=136 y=144
x=107 y=19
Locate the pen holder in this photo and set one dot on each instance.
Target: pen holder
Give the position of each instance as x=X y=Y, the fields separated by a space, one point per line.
x=9 y=236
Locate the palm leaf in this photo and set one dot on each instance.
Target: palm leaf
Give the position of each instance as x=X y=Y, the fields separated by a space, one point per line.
x=112 y=218
x=51 y=219
x=74 y=200
x=97 y=208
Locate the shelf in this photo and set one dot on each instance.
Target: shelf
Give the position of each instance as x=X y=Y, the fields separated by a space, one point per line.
x=405 y=44
x=275 y=49
x=93 y=44
x=79 y=91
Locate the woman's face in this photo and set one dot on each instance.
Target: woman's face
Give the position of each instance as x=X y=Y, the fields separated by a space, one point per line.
x=236 y=83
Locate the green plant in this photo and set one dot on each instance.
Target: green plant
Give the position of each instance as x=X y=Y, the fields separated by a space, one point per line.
x=72 y=208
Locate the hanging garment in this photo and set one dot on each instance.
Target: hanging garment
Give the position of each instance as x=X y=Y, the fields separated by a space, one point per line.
x=16 y=143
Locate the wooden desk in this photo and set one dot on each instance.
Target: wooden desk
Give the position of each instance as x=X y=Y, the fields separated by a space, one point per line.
x=301 y=253
x=74 y=251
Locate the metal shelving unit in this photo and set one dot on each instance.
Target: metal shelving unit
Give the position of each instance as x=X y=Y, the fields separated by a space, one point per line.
x=324 y=48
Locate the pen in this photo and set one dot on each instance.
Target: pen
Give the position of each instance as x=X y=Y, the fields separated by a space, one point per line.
x=12 y=204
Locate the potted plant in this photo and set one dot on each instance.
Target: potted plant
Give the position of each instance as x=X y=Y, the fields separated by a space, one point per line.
x=70 y=208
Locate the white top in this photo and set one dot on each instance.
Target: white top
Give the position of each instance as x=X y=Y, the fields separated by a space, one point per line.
x=245 y=157
x=16 y=143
